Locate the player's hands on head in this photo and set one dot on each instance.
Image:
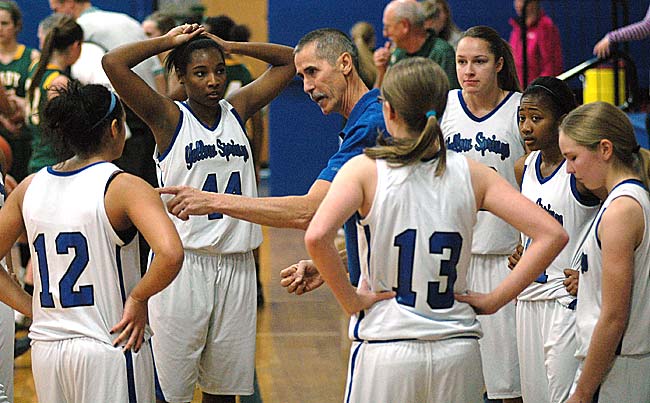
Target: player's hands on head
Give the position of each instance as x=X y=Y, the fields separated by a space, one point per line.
x=301 y=277
x=223 y=44
x=188 y=201
x=184 y=33
x=515 y=257
x=130 y=330
x=571 y=281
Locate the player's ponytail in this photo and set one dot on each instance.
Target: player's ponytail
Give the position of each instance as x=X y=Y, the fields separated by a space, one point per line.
x=60 y=32
x=416 y=88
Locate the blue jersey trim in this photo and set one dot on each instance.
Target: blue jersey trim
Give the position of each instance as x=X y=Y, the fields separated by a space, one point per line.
x=120 y=273
x=158 y=389
x=171 y=143
x=366 y=232
x=353 y=362
x=239 y=119
x=538 y=170
x=352 y=247
x=130 y=377
x=596 y=228
x=51 y=170
x=589 y=200
x=489 y=115
x=216 y=124
x=362 y=315
x=630 y=181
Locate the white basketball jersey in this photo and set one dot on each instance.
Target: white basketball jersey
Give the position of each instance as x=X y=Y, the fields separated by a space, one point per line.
x=83 y=271
x=558 y=195
x=213 y=159
x=636 y=338
x=416 y=240
x=493 y=140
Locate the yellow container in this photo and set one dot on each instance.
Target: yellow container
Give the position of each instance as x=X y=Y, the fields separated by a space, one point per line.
x=599 y=85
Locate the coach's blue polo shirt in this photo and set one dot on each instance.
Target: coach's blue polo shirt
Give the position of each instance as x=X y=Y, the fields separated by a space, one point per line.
x=364 y=124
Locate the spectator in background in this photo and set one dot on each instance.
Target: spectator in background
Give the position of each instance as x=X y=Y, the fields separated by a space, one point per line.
x=363 y=36
x=632 y=32
x=543 y=45
x=404 y=25
x=15 y=59
x=438 y=17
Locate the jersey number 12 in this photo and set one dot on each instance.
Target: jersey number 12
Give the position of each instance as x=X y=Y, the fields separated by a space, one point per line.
x=69 y=297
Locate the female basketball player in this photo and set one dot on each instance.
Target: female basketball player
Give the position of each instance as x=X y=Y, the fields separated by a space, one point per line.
x=81 y=216
x=545 y=310
x=481 y=122
x=205 y=322
x=61 y=46
x=419 y=203
x=613 y=312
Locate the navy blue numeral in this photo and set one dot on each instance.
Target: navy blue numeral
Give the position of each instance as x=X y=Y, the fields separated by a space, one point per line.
x=406 y=244
x=438 y=242
x=47 y=301
x=69 y=297
x=233 y=187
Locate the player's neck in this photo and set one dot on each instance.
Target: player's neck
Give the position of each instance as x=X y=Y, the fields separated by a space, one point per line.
x=480 y=104
x=75 y=163
x=8 y=48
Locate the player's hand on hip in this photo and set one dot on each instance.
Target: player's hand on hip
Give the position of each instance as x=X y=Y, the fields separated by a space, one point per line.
x=483 y=304
x=515 y=257
x=368 y=298
x=130 y=330
x=301 y=277
x=571 y=281
x=188 y=201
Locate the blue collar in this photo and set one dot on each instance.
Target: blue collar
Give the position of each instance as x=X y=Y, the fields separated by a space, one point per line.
x=366 y=101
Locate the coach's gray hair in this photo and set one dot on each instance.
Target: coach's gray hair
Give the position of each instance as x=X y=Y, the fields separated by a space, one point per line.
x=330 y=43
x=411 y=11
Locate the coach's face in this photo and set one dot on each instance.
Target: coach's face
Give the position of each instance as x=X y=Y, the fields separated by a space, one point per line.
x=324 y=83
x=62 y=6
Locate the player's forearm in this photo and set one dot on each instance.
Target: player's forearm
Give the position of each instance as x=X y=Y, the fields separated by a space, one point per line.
x=282 y=212
x=327 y=259
x=600 y=356
x=274 y=54
x=164 y=267
x=541 y=252
x=134 y=53
x=14 y=296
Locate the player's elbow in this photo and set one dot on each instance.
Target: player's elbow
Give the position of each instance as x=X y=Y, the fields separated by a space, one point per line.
x=558 y=238
x=172 y=255
x=316 y=238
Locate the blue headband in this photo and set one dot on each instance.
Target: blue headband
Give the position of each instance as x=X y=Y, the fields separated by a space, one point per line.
x=431 y=113
x=111 y=108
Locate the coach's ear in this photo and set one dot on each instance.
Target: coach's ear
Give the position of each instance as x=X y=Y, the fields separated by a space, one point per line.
x=344 y=63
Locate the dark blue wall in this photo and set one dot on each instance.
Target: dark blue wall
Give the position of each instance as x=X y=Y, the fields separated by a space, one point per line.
x=302 y=139
x=35 y=10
